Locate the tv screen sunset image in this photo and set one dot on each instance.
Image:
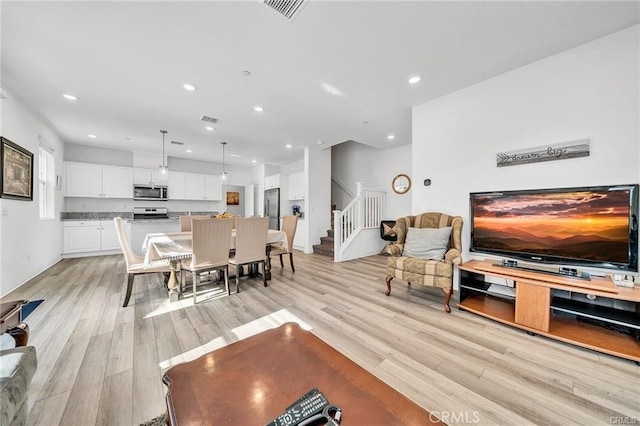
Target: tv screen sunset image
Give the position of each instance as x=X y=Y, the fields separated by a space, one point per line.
x=579 y=225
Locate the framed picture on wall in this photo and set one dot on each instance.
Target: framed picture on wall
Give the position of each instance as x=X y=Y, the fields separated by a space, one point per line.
x=16 y=177
x=233 y=198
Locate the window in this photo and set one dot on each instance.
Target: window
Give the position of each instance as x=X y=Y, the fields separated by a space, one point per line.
x=47 y=183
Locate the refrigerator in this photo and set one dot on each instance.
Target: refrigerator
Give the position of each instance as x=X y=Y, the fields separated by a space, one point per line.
x=272 y=207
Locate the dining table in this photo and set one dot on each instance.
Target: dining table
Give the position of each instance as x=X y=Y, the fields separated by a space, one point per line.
x=176 y=246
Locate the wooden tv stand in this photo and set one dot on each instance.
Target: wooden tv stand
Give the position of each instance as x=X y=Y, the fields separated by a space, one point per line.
x=595 y=314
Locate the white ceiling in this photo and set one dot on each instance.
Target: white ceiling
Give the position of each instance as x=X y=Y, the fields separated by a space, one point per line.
x=127 y=62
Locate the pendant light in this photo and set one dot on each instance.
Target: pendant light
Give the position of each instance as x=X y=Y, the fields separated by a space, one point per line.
x=224 y=173
x=163 y=167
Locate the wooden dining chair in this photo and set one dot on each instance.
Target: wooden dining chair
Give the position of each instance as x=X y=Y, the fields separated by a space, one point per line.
x=135 y=263
x=289 y=225
x=211 y=242
x=251 y=243
x=185 y=221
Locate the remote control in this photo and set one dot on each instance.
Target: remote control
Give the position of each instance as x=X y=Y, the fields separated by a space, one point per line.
x=307 y=406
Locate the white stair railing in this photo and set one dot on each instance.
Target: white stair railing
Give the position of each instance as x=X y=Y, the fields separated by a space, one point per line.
x=365 y=211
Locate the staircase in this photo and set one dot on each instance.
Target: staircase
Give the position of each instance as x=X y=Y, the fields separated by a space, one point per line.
x=325 y=247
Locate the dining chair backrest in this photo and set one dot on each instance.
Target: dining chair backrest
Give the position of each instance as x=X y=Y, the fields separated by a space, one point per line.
x=251 y=239
x=289 y=226
x=185 y=221
x=129 y=256
x=211 y=242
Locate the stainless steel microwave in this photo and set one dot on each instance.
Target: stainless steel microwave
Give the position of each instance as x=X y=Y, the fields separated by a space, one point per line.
x=150 y=192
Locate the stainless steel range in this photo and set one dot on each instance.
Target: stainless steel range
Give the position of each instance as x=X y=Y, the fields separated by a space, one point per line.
x=150 y=213
x=148 y=220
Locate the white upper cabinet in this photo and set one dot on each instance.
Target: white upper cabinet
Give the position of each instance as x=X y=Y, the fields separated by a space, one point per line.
x=271 y=182
x=202 y=187
x=297 y=186
x=96 y=181
x=176 y=186
x=149 y=177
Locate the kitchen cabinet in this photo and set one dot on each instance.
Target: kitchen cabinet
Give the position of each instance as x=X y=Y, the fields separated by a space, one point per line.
x=271 y=182
x=97 y=181
x=203 y=187
x=149 y=177
x=297 y=186
x=176 y=185
x=89 y=236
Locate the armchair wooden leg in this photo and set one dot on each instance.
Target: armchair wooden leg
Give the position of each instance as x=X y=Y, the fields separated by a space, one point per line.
x=389 y=278
x=447 y=297
x=127 y=296
x=291 y=262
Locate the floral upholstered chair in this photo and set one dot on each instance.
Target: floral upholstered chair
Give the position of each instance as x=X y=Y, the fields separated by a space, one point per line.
x=427 y=247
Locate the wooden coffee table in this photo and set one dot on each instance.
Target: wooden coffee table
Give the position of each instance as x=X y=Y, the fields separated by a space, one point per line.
x=252 y=381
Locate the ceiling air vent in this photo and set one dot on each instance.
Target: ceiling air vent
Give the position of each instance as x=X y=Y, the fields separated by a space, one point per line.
x=177 y=143
x=209 y=119
x=287 y=8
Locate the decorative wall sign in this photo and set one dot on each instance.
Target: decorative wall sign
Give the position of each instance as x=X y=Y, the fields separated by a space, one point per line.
x=579 y=148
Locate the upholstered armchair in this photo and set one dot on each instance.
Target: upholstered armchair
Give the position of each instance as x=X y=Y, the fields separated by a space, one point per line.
x=426 y=256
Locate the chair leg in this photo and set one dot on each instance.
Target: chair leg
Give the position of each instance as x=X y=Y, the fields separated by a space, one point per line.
x=225 y=272
x=238 y=279
x=264 y=273
x=281 y=264
x=447 y=297
x=194 y=285
x=127 y=296
x=389 y=278
x=293 y=269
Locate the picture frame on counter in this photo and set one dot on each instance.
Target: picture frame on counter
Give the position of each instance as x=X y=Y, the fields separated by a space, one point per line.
x=16 y=173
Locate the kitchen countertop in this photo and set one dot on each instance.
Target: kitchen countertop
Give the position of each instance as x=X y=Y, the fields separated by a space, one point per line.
x=127 y=216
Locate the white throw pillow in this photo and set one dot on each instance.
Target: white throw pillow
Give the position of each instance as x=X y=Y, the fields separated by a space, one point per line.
x=426 y=243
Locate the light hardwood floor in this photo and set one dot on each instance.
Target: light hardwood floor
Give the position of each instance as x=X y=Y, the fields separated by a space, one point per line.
x=99 y=363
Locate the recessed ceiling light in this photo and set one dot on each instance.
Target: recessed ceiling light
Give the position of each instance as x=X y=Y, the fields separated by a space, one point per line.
x=258 y=108
x=391 y=137
x=209 y=128
x=189 y=151
x=254 y=161
x=320 y=142
x=92 y=136
x=70 y=97
x=288 y=146
x=189 y=87
x=414 y=79
x=235 y=155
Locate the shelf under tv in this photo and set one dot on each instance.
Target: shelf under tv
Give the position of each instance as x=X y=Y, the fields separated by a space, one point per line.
x=536 y=309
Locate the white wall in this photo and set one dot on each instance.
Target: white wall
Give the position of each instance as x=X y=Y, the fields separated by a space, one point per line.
x=317 y=162
x=28 y=245
x=591 y=91
x=353 y=162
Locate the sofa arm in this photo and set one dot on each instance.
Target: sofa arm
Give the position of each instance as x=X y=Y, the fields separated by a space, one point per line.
x=453 y=256
x=17 y=367
x=394 y=249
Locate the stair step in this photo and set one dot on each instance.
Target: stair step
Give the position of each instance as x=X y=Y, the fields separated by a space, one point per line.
x=330 y=233
x=326 y=241
x=323 y=250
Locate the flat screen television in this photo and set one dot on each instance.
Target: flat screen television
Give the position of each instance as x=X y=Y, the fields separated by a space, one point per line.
x=590 y=226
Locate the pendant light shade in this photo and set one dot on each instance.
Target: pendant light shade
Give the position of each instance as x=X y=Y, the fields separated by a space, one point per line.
x=223 y=173
x=163 y=167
